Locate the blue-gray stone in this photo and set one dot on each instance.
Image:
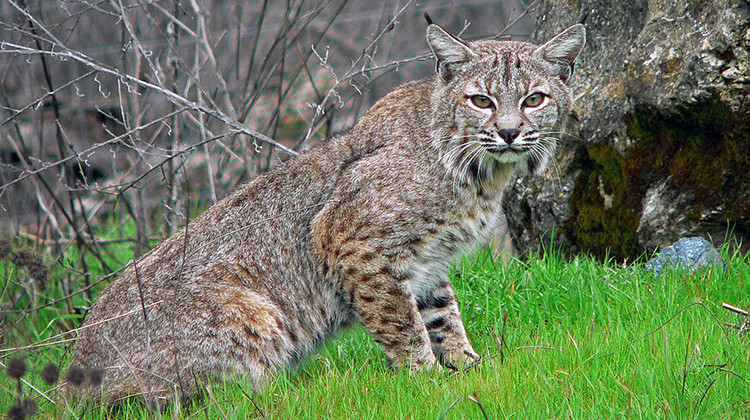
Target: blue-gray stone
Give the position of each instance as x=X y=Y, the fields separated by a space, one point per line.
x=688 y=254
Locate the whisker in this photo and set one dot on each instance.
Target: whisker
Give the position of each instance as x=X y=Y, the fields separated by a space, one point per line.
x=451 y=138
x=467 y=150
x=454 y=153
x=562 y=133
x=554 y=163
x=466 y=163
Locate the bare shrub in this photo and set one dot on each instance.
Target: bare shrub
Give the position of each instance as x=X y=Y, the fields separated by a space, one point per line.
x=131 y=111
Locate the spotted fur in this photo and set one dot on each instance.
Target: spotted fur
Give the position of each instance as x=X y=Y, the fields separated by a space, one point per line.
x=363 y=228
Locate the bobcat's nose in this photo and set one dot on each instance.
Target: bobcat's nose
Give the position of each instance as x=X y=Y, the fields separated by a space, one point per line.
x=508 y=134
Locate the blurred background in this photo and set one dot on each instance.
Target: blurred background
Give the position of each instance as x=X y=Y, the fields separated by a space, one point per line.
x=137 y=115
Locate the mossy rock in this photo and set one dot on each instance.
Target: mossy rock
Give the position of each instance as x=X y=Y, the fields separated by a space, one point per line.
x=702 y=150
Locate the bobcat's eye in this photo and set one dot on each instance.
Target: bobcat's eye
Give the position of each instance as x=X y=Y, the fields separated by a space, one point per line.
x=481 y=101
x=534 y=100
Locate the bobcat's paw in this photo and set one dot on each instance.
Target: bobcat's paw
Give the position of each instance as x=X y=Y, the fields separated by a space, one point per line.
x=414 y=361
x=459 y=358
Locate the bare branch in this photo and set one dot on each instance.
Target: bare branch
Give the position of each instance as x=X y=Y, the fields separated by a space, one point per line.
x=8 y=47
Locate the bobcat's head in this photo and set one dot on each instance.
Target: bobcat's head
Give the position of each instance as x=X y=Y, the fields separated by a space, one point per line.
x=500 y=103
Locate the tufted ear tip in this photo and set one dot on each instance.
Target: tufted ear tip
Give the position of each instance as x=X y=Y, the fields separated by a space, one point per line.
x=450 y=52
x=427 y=18
x=565 y=46
x=563 y=49
x=584 y=18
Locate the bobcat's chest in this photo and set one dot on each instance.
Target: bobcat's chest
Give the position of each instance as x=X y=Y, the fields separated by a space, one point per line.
x=475 y=224
x=471 y=225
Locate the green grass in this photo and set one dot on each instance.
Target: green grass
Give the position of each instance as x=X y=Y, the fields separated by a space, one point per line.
x=582 y=339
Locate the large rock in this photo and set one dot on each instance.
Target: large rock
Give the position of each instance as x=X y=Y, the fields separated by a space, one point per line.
x=660 y=146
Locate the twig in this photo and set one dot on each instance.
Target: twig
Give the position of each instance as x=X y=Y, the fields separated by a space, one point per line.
x=171 y=96
x=262 y=414
x=213 y=400
x=535 y=348
x=502 y=337
x=735 y=309
x=203 y=39
x=25 y=382
x=687 y=363
x=704 y=394
x=351 y=72
x=669 y=320
x=450 y=407
x=114 y=140
x=36 y=102
x=70 y=219
x=528 y=9
x=146 y=392
x=128 y=27
x=473 y=398
x=48 y=341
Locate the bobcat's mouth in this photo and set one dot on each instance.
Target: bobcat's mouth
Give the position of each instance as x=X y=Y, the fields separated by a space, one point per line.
x=507 y=153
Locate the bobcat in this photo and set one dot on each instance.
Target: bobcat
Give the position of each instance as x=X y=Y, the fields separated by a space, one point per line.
x=361 y=228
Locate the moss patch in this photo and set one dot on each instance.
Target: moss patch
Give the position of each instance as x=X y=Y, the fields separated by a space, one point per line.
x=703 y=148
x=602 y=219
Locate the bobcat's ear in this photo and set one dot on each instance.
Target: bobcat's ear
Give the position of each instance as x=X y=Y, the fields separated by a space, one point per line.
x=563 y=50
x=450 y=52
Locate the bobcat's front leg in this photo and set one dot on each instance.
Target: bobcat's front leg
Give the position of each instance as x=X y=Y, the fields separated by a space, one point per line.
x=442 y=319
x=383 y=302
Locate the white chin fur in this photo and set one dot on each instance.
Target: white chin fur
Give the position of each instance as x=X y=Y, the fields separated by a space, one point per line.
x=524 y=163
x=511 y=157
